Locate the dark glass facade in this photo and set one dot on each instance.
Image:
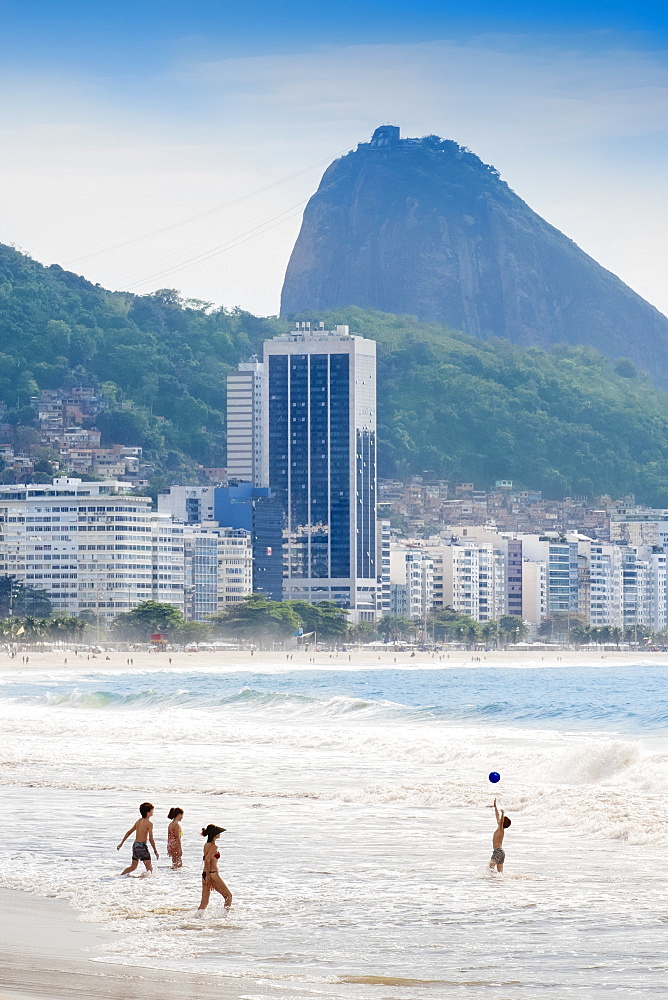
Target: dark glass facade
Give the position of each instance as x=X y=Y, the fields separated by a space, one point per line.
x=309 y=459
x=322 y=447
x=366 y=503
x=339 y=450
x=268 y=547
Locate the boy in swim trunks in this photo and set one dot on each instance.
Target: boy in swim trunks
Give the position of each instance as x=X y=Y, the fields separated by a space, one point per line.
x=498 y=853
x=143 y=831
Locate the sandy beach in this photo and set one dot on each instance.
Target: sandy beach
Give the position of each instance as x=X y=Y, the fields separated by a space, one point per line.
x=244 y=660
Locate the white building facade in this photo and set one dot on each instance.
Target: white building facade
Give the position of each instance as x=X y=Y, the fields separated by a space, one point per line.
x=188 y=504
x=411 y=582
x=245 y=437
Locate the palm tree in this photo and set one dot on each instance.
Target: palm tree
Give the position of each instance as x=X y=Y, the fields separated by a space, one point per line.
x=32 y=627
x=490 y=632
x=472 y=635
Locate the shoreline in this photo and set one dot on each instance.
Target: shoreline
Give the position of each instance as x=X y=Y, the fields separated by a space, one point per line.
x=47 y=953
x=243 y=661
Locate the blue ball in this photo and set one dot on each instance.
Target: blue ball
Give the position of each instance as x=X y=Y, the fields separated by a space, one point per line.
x=494 y=777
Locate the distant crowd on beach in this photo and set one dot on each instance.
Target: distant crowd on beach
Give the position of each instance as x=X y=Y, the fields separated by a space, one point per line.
x=143 y=831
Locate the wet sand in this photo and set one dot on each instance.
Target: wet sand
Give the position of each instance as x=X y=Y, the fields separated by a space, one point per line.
x=47 y=954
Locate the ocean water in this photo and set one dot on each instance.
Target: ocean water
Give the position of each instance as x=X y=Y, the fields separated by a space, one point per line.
x=359 y=822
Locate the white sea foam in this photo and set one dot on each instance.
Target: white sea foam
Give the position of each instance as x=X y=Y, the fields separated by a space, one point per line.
x=358 y=829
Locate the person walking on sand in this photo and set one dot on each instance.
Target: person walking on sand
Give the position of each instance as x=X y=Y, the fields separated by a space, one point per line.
x=174 y=834
x=498 y=853
x=143 y=831
x=210 y=877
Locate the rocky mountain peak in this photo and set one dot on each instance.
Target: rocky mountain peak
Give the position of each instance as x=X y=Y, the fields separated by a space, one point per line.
x=424 y=227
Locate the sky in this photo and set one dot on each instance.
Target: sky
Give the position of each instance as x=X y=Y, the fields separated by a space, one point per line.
x=165 y=144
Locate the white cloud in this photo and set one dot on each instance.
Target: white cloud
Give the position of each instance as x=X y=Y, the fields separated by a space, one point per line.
x=575 y=128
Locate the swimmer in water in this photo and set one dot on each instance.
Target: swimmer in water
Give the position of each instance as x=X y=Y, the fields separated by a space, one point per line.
x=174 y=834
x=498 y=853
x=143 y=831
x=210 y=877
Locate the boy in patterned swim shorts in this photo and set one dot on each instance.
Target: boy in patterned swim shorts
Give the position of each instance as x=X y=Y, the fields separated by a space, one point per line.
x=143 y=831
x=498 y=853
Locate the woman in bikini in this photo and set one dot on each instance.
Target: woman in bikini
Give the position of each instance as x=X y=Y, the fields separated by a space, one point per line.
x=174 y=834
x=210 y=877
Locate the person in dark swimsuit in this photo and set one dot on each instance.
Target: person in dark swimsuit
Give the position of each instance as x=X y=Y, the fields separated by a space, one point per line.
x=498 y=853
x=143 y=831
x=210 y=877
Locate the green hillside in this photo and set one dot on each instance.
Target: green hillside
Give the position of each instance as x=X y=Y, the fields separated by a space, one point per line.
x=169 y=356
x=565 y=422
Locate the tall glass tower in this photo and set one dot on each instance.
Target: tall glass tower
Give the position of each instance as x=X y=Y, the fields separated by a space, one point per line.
x=320 y=429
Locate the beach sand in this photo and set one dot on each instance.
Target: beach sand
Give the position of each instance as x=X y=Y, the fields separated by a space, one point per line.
x=243 y=660
x=46 y=954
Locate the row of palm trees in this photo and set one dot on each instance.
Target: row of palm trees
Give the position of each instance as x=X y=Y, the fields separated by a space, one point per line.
x=604 y=635
x=32 y=629
x=447 y=625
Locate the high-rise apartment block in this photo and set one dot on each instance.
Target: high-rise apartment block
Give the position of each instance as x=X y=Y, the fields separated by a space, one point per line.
x=319 y=420
x=241 y=506
x=245 y=438
x=384 y=564
x=411 y=582
x=90 y=547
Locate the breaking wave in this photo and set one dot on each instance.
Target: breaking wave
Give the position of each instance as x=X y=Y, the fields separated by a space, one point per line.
x=591 y=714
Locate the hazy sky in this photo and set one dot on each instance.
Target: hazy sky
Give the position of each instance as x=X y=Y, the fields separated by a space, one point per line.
x=123 y=121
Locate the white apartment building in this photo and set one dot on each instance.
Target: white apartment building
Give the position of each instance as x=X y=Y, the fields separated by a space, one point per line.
x=188 y=504
x=534 y=591
x=245 y=448
x=658 y=590
x=218 y=568
x=144 y=562
x=474 y=579
x=411 y=582
x=622 y=585
x=200 y=550
x=89 y=546
x=559 y=554
x=235 y=565
x=383 y=549
x=486 y=574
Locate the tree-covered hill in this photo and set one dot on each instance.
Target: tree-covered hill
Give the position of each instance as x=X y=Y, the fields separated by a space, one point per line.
x=169 y=356
x=565 y=421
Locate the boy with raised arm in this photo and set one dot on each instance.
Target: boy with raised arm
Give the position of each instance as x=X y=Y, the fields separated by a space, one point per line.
x=498 y=853
x=143 y=831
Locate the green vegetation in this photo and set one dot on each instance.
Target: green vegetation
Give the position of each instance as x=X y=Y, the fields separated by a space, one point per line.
x=149 y=618
x=567 y=422
x=447 y=625
x=17 y=599
x=451 y=626
x=257 y=618
x=168 y=356
x=253 y=619
x=574 y=629
x=33 y=629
